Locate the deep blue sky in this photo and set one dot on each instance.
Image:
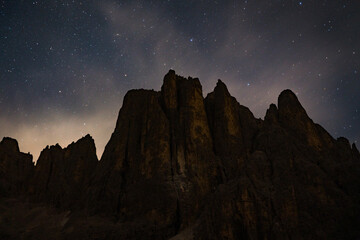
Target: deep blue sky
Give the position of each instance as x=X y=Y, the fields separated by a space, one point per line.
x=66 y=65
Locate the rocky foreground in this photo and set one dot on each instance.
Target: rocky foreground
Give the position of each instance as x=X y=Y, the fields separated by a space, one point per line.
x=179 y=166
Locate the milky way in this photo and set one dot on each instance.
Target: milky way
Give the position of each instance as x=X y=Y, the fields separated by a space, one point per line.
x=66 y=65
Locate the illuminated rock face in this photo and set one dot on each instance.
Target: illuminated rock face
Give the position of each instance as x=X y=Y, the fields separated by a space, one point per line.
x=184 y=166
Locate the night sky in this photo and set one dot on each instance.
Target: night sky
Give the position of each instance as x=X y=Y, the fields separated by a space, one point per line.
x=65 y=66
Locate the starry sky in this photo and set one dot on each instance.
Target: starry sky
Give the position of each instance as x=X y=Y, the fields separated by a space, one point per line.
x=66 y=65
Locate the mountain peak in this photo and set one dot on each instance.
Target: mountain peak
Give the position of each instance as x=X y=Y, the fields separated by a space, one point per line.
x=272 y=114
x=288 y=100
x=291 y=111
x=85 y=140
x=221 y=88
x=171 y=72
x=10 y=144
x=287 y=93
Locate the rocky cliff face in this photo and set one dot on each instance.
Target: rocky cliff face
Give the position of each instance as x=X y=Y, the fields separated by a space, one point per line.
x=291 y=184
x=62 y=175
x=233 y=128
x=16 y=168
x=181 y=166
x=158 y=166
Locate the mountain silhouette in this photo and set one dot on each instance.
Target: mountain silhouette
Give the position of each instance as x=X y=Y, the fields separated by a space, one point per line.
x=181 y=166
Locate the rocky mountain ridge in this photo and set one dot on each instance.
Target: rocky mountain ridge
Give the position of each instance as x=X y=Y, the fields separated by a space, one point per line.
x=182 y=166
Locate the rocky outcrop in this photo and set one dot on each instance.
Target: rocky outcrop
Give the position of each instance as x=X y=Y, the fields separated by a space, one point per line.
x=158 y=152
x=179 y=166
x=233 y=127
x=135 y=170
x=193 y=163
x=62 y=175
x=294 y=183
x=16 y=168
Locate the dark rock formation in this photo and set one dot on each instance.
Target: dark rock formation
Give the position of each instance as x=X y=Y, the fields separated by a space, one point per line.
x=179 y=166
x=157 y=168
x=233 y=127
x=16 y=168
x=135 y=169
x=62 y=175
x=294 y=183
